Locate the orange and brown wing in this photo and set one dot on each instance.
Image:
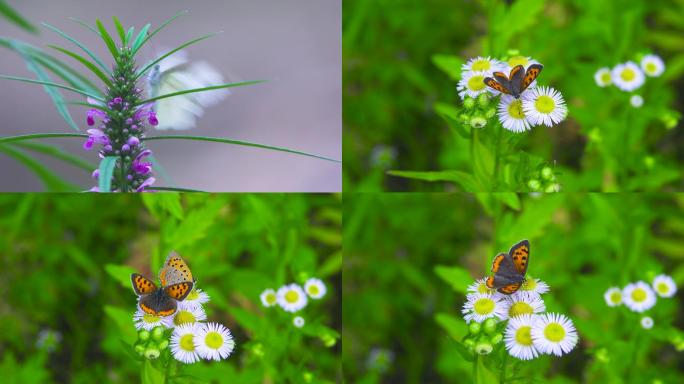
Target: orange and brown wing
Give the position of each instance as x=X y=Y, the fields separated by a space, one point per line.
x=515 y=71
x=142 y=285
x=179 y=291
x=521 y=256
x=496 y=264
x=491 y=83
x=532 y=72
x=490 y=282
x=509 y=289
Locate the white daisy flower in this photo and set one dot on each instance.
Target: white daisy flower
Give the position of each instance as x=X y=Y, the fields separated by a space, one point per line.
x=147 y=322
x=480 y=286
x=511 y=114
x=664 y=286
x=603 y=77
x=628 y=76
x=291 y=297
x=482 y=64
x=636 y=101
x=554 y=333
x=196 y=298
x=520 y=303
x=534 y=287
x=183 y=343
x=525 y=61
x=472 y=84
x=646 y=322
x=213 y=341
x=268 y=298
x=189 y=316
x=544 y=105
x=638 y=296
x=482 y=306
x=613 y=296
x=652 y=65
x=298 y=321
x=315 y=288
x=518 y=337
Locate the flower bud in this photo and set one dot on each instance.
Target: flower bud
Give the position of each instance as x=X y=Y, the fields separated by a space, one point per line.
x=158 y=333
x=151 y=353
x=139 y=349
x=483 y=99
x=489 y=326
x=143 y=335
x=483 y=347
x=496 y=339
x=468 y=102
x=490 y=113
x=547 y=173
x=478 y=122
x=469 y=343
x=474 y=328
x=649 y=162
x=534 y=184
x=552 y=188
x=163 y=344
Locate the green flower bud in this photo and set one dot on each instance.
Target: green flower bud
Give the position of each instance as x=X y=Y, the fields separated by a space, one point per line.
x=552 y=188
x=603 y=356
x=478 y=122
x=489 y=326
x=547 y=173
x=143 y=335
x=328 y=340
x=307 y=377
x=151 y=353
x=258 y=350
x=483 y=99
x=139 y=349
x=464 y=118
x=158 y=333
x=469 y=102
x=163 y=344
x=534 y=184
x=474 y=328
x=483 y=348
x=469 y=343
x=649 y=162
x=490 y=113
x=496 y=339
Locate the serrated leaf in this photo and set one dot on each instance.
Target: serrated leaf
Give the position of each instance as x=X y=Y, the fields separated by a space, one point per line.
x=457 y=277
x=104 y=180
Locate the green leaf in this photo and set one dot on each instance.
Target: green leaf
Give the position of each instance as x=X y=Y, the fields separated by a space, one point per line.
x=154 y=62
x=123 y=320
x=86 y=63
x=525 y=13
x=457 y=277
x=455 y=326
x=141 y=37
x=93 y=106
x=56 y=97
x=57 y=153
x=51 y=181
x=120 y=29
x=80 y=45
x=10 y=139
x=484 y=375
x=164 y=24
x=107 y=39
x=483 y=163
x=14 y=16
x=25 y=80
x=331 y=265
x=120 y=273
x=509 y=198
x=450 y=114
x=106 y=168
x=83 y=23
x=449 y=64
x=169 y=202
x=130 y=33
x=467 y=182
x=236 y=142
x=66 y=73
x=228 y=85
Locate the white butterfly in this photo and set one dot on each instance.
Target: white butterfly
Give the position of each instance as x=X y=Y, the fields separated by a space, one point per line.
x=175 y=73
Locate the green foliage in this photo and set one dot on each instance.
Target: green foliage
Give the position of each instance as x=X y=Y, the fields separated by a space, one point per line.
x=67 y=265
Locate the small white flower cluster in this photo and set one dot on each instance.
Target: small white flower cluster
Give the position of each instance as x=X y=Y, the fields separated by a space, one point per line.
x=640 y=297
x=192 y=338
x=529 y=331
x=629 y=76
x=292 y=298
x=537 y=105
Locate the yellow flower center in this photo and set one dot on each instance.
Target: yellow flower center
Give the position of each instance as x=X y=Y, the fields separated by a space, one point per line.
x=529 y=284
x=482 y=288
x=638 y=295
x=313 y=290
x=186 y=343
x=627 y=74
x=605 y=77
x=651 y=67
x=663 y=288
x=520 y=308
x=481 y=65
x=184 y=317
x=213 y=340
x=523 y=336
x=545 y=104
x=193 y=295
x=554 y=332
x=291 y=297
x=271 y=298
x=616 y=297
x=151 y=318
x=515 y=109
x=518 y=60
x=484 y=306
x=476 y=83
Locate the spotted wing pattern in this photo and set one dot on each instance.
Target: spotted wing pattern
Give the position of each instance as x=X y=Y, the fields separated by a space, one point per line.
x=142 y=285
x=532 y=72
x=491 y=83
x=510 y=288
x=520 y=253
x=179 y=291
x=158 y=305
x=175 y=271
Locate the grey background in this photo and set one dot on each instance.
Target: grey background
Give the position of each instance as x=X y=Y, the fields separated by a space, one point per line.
x=295 y=44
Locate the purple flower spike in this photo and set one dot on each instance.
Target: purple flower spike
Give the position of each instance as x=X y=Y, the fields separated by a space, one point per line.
x=153 y=119
x=117 y=100
x=107 y=148
x=92 y=114
x=133 y=141
x=95 y=136
x=134 y=127
x=88 y=145
x=145 y=184
x=96 y=174
x=129 y=121
x=141 y=167
x=125 y=148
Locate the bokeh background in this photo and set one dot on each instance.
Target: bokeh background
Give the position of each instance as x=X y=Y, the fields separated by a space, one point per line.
x=400 y=59
x=295 y=45
x=66 y=260
x=408 y=259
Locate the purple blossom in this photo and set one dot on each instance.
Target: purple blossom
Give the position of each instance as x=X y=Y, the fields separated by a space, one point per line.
x=141 y=167
x=133 y=141
x=148 y=182
x=146 y=111
x=96 y=174
x=92 y=114
x=95 y=136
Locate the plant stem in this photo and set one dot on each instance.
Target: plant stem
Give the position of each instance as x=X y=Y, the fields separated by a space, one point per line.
x=497 y=155
x=475 y=372
x=502 y=378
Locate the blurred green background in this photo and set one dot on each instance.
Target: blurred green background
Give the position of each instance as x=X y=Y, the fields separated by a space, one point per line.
x=402 y=59
x=409 y=258
x=66 y=261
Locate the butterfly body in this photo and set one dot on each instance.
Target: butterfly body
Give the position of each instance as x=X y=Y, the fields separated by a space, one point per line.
x=509 y=269
x=176 y=283
x=516 y=82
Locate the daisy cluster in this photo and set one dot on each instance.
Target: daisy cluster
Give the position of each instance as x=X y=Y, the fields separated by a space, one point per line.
x=629 y=76
x=537 y=105
x=640 y=297
x=520 y=320
x=186 y=332
x=293 y=298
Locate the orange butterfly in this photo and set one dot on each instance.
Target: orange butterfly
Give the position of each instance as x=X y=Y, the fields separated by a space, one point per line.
x=177 y=282
x=509 y=269
x=517 y=82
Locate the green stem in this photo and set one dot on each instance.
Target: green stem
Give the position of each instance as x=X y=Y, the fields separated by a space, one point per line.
x=123 y=182
x=497 y=155
x=475 y=370
x=502 y=378
x=40 y=136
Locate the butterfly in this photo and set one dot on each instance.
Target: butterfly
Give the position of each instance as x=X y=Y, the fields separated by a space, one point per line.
x=176 y=283
x=175 y=73
x=509 y=269
x=517 y=82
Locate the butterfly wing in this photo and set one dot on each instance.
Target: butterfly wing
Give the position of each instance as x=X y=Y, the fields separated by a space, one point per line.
x=520 y=254
x=532 y=72
x=510 y=288
x=179 y=291
x=516 y=77
x=175 y=270
x=504 y=272
x=158 y=304
x=142 y=285
x=496 y=85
